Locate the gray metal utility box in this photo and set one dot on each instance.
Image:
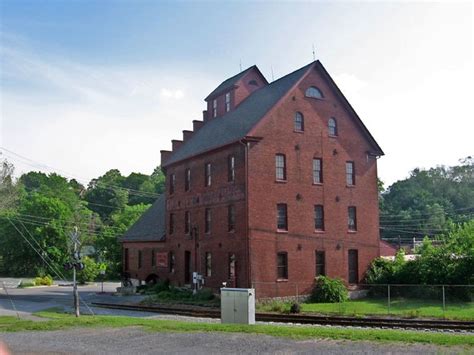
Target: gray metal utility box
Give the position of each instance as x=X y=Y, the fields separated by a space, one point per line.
x=238 y=305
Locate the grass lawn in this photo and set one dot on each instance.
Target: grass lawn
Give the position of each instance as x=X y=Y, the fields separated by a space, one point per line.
x=58 y=321
x=398 y=307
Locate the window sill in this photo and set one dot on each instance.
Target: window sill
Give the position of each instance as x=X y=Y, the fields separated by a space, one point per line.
x=350 y=186
x=231 y=232
x=332 y=136
x=319 y=231
x=351 y=232
x=281 y=280
x=297 y=131
x=315 y=98
x=281 y=181
x=282 y=231
x=317 y=184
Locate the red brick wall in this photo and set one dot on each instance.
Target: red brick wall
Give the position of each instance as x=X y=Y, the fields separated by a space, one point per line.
x=244 y=89
x=218 y=196
x=301 y=241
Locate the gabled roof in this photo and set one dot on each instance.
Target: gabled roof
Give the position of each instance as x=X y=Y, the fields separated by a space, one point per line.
x=338 y=92
x=151 y=226
x=238 y=123
x=229 y=83
x=235 y=124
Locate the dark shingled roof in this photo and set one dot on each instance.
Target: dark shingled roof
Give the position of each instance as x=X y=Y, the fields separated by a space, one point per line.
x=151 y=225
x=229 y=83
x=235 y=124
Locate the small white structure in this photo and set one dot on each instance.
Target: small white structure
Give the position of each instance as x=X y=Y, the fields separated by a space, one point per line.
x=238 y=305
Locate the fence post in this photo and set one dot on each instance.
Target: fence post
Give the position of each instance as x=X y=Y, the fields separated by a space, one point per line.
x=444 y=301
x=388 y=293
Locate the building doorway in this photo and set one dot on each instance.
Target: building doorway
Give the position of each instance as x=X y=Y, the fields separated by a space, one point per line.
x=187 y=267
x=353 y=266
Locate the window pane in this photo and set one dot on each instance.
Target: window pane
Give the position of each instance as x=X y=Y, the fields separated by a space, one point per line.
x=282 y=220
x=320 y=263
x=314 y=92
x=231 y=168
x=352 y=218
x=282 y=265
x=172 y=183
x=231 y=218
x=187 y=222
x=207 y=174
x=317 y=171
x=299 y=121
x=350 y=177
x=332 y=127
x=280 y=166
x=208 y=264
x=187 y=179
x=207 y=224
x=318 y=217
x=171 y=223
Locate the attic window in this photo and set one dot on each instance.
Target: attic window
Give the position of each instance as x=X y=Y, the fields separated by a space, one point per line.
x=314 y=92
x=253 y=83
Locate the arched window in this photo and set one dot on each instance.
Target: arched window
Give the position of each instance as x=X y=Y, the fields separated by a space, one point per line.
x=299 y=122
x=313 y=91
x=332 y=127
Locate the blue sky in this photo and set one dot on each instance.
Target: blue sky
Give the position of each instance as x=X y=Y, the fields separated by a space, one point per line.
x=91 y=85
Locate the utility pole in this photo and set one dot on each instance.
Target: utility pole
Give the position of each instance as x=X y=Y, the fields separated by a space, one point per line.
x=75 y=265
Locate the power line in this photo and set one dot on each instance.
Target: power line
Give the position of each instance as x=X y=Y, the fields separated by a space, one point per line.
x=62 y=278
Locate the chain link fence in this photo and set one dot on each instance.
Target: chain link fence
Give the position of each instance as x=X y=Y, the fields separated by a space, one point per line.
x=407 y=300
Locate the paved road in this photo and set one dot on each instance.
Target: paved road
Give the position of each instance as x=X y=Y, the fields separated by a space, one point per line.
x=136 y=341
x=28 y=300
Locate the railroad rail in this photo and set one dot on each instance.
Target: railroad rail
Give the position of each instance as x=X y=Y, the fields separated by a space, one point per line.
x=372 y=322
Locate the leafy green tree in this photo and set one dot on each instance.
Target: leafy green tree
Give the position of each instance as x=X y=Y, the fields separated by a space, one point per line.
x=105 y=195
x=107 y=242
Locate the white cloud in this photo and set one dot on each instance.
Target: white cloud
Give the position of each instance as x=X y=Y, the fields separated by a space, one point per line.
x=171 y=94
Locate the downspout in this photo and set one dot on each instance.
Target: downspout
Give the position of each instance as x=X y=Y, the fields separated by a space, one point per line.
x=249 y=273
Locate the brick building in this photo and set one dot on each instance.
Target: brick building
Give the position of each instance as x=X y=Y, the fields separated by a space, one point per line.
x=276 y=185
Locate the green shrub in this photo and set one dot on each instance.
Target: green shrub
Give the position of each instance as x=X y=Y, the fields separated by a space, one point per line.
x=295 y=308
x=90 y=272
x=329 y=290
x=26 y=284
x=204 y=294
x=43 y=281
x=274 y=306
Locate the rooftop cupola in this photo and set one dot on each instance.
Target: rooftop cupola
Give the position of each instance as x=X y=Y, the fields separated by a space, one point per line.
x=231 y=92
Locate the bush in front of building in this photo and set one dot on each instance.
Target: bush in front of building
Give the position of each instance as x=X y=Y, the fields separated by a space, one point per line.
x=328 y=290
x=45 y=280
x=295 y=308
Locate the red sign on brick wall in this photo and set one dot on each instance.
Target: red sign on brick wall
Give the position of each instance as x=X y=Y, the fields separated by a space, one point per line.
x=162 y=259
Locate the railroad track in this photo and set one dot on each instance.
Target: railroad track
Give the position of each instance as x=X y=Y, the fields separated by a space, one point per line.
x=308 y=319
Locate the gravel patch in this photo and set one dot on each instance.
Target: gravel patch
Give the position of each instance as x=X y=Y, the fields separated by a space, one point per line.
x=137 y=341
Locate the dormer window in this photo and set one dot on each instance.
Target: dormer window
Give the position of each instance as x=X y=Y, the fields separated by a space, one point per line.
x=214 y=108
x=253 y=83
x=314 y=92
x=227 y=102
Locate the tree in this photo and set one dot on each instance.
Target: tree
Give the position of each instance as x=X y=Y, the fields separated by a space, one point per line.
x=426 y=202
x=8 y=190
x=105 y=195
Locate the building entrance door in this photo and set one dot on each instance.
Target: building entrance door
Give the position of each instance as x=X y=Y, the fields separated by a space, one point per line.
x=187 y=267
x=353 y=266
